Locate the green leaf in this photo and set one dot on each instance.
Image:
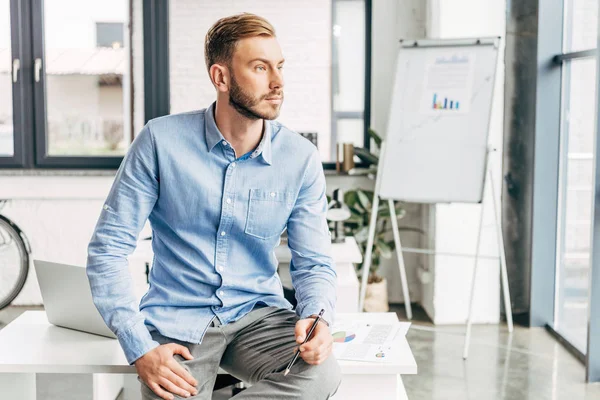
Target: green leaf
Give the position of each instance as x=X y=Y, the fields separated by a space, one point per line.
x=350 y=198
x=363 y=199
x=356 y=212
x=385 y=213
x=375 y=137
x=354 y=219
x=362 y=234
x=366 y=156
x=384 y=249
x=359 y=209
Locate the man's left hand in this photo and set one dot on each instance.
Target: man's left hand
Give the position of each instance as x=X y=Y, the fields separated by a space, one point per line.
x=318 y=347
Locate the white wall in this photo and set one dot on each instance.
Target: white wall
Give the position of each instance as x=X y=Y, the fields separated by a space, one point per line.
x=456 y=224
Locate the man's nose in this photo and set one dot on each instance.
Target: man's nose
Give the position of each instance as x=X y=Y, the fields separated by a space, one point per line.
x=277 y=80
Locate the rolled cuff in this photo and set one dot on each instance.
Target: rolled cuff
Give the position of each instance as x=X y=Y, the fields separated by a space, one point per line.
x=136 y=341
x=306 y=310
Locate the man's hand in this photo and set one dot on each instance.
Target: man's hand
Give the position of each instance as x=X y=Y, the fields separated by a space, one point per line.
x=161 y=372
x=319 y=346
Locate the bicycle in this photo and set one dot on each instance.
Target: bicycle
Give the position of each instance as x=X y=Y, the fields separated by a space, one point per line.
x=14 y=259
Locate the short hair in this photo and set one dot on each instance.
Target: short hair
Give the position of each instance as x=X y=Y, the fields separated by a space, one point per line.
x=223 y=36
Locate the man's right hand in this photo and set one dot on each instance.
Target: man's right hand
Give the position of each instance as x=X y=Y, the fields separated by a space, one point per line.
x=161 y=372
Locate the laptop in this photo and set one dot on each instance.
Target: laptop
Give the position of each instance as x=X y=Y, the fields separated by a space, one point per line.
x=68 y=298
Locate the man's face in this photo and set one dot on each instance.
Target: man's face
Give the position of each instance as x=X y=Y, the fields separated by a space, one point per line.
x=256 y=89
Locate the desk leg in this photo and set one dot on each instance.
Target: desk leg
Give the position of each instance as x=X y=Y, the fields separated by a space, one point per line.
x=360 y=387
x=401 y=390
x=18 y=386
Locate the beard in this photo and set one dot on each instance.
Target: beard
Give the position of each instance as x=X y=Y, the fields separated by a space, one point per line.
x=248 y=105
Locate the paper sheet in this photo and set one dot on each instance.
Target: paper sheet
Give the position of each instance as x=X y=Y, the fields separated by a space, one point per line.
x=362 y=341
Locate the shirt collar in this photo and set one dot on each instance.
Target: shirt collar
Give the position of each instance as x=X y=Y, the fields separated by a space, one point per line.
x=214 y=136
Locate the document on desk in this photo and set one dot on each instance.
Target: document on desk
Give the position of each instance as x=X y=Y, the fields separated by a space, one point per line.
x=366 y=341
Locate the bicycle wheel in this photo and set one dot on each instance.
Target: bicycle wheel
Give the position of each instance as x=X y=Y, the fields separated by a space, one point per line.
x=14 y=262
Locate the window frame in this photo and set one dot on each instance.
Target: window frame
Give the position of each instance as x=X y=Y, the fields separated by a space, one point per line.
x=21 y=103
x=365 y=115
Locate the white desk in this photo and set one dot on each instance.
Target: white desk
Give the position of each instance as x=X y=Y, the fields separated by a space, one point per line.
x=30 y=345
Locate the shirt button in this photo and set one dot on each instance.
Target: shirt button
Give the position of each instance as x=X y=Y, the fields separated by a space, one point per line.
x=222 y=233
x=233 y=164
x=224 y=143
x=228 y=201
x=221 y=268
x=221 y=293
x=272 y=194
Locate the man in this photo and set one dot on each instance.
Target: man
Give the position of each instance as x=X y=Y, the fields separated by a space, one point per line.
x=219 y=186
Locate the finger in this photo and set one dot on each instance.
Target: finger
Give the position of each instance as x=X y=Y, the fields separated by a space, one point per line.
x=310 y=355
x=184 y=351
x=173 y=388
x=310 y=359
x=182 y=383
x=302 y=326
x=318 y=355
x=313 y=343
x=160 y=392
x=317 y=358
x=183 y=373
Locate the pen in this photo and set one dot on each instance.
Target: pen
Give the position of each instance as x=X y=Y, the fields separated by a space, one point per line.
x=310 y=331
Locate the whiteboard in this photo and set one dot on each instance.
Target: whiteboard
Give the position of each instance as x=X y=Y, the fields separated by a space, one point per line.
x=437 y=135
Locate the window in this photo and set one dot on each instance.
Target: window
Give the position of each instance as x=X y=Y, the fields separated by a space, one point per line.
x=76 y=82
x=349 y=55
x=109 y=34
x=6 y=79
x=576 y=173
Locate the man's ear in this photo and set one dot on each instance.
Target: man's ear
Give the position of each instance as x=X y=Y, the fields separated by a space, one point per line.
x=219 y=75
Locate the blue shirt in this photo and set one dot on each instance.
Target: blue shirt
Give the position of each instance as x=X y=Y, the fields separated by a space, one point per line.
x=216 y=221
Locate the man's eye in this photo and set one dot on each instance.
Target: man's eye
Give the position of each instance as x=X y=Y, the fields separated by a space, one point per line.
x=280 y=67
x=260 y=67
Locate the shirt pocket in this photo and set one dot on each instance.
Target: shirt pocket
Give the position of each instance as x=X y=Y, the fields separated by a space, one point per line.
x=268 y=212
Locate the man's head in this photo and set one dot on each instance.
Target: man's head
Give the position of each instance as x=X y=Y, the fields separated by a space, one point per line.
x=244 y=62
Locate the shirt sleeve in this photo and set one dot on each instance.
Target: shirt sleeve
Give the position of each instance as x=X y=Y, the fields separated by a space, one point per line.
x=128 y=205
x=312 y=269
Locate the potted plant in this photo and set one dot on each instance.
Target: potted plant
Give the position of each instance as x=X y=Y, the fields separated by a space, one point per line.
x=360 y=202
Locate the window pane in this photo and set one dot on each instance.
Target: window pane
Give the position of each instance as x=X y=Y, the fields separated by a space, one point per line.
x=88 y=89
x=575 y=207
x=6 y=113
x=351 y=131
x=349 y=56
x=581 y=25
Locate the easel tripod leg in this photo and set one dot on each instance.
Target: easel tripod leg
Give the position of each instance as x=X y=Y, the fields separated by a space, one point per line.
x=503 y=271
x=400 y=256
x=472 y=295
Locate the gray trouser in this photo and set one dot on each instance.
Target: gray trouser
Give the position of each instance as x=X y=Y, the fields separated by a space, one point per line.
x=255 y=349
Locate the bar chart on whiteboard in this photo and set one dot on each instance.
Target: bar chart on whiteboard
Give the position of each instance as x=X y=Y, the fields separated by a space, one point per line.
x=448 y=83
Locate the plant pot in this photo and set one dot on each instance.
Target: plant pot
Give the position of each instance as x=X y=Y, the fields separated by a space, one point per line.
x=376 y=298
